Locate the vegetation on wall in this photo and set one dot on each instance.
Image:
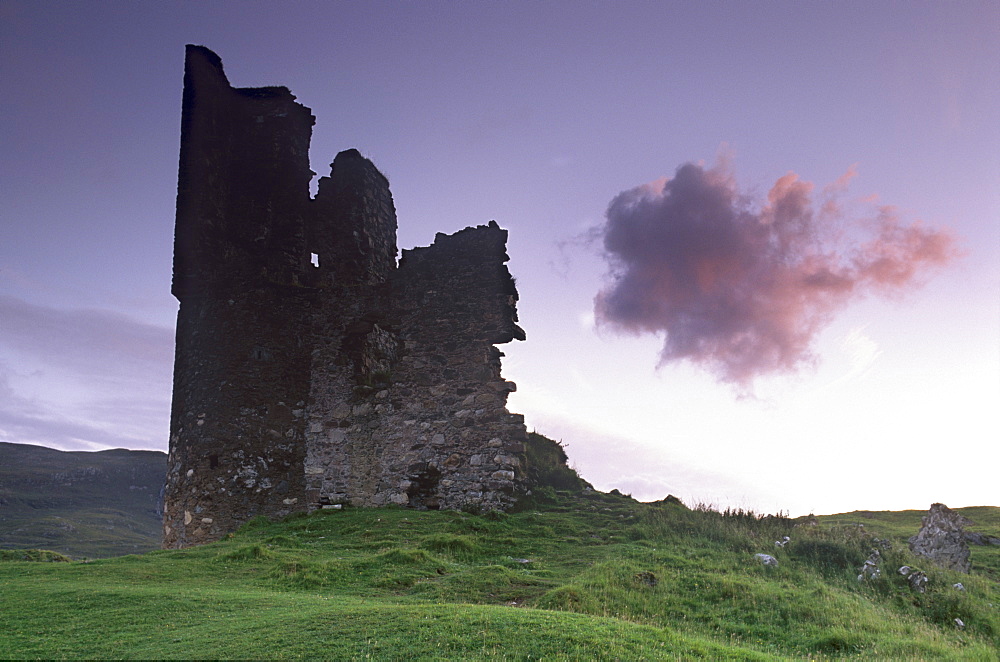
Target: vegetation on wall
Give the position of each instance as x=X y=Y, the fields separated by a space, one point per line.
x=548 y=469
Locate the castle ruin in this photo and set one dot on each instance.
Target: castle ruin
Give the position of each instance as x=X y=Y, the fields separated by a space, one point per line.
x=312 y=370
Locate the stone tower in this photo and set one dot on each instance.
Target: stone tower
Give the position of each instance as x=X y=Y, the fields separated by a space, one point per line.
x=310 y=369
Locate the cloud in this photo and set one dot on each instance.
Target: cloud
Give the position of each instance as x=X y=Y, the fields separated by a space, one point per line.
x=25 y=420
x=80 y=379
x=862 y=353
x=741 y=287
x=99 y=343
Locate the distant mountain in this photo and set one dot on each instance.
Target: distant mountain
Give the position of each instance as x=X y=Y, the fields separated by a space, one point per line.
x=83 y=504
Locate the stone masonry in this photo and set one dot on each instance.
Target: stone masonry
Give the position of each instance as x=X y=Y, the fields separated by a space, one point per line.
x=310 y=368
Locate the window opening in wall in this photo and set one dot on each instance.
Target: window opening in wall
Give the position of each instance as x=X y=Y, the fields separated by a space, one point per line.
x=260 y=354
x=314 y=258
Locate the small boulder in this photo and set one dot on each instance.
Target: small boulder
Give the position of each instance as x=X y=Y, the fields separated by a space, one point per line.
x=918 y=581
x=767 y=559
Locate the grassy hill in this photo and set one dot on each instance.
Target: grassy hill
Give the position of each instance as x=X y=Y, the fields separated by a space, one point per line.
x=578 y=575
x=902 y=524
x=83 y=504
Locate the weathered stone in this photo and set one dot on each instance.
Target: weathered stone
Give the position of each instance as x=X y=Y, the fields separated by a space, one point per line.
x=942 y=539
x=870 y=569
x=287 y=298
x=974 y=538
x=917 y=580
x=508 y=460
x=767 y=560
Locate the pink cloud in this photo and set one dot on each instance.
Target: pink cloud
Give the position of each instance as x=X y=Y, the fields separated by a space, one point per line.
x=741 y=287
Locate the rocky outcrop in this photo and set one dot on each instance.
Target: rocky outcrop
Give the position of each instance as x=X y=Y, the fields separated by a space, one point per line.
x=942 y=539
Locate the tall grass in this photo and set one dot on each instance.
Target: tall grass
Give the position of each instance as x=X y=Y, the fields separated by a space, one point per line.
x=585 y=575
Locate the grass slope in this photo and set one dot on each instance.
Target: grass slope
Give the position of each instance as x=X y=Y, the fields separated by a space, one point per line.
x=582 y=576
x=84 y=504
x=902 y=524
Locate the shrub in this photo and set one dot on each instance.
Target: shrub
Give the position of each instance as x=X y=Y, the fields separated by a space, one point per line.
x=827 y=556
x=42 y=555
x=547 y=465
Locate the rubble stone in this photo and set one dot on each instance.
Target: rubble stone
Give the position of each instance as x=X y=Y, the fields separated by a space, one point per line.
x=942 y=539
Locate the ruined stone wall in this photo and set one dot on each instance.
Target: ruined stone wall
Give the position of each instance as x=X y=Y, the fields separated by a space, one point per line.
x=419 y=418
x=456 y=301
x=242 y=356
x=353 y=223
x=354 y=348
x=311 y=370
x=243 y=183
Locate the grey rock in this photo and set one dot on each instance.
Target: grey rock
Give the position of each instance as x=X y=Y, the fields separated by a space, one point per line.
x=918 y=581
x=767 y=559
x=870 y=569
x=974 y=538
x=942 y=539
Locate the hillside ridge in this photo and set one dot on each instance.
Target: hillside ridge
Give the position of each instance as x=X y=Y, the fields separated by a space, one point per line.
x=81 y=503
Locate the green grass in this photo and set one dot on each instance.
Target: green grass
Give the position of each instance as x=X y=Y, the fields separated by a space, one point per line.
x=590 y=576
x=905 y=523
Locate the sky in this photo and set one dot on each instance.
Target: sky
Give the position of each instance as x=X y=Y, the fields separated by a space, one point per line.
x=756 y=244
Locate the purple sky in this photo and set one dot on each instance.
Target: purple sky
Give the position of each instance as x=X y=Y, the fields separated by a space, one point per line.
x=539 y=115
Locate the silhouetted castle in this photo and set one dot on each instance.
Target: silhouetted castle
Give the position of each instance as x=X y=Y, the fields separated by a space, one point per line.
x=310 y=369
